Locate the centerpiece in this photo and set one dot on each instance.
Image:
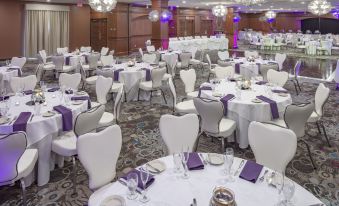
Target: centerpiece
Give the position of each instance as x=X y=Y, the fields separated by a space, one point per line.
x=222 y=196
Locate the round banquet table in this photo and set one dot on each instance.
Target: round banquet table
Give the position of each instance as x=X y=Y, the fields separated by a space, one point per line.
x=170 y=189
x=41 y=130
x=251 y=69
x=243 y=110
x=7 y=76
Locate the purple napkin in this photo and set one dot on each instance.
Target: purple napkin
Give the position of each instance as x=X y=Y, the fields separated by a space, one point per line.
x=67 y=117
x=21 y=123
x=279 y=91
x=148 y=74
x=273 y=105
x=203 y=88
x=4 y=98
x=237 y=67
x=261 y=82
x=28 y=92
x=194 y=162
x=67 y=60
x=140 y=185
x=53 y=89
x=251 y=171
x=116 y=74
x=83 y=98
x=225 y=100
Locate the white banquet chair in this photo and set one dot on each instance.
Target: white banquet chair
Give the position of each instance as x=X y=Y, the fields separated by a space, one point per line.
x=23 y=83
x=197 y=57
x=280 y=59
x=87 y=81
x=277 y=78
x=17 y=162
x=171 y=62
x=66 y=144
x=46 y=65
x=321 y=96
x=224 y=72
x=183 y=107
x=18 y=61
x=92 y=62
x=150 y=49
x=223 y=55
x=104 y=51
x=107 y=60
x=178 y=132
x=294 y=79
x=60 y=67
x=99 y=153
x=87 y=49
x=211 y=70
x=213 y=122
x=62 y=51
x=189 y=78
x=150 y=58
x=272 y=145
x=184 y=60
x=70 y=81
x=102 y=88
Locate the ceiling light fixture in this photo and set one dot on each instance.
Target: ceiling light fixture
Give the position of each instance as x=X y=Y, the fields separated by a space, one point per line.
x=153 y=16
x=250 y=2
x=336 y=13
x=319 y=7
x=270 y=16
x=219 y=10
x=102 y=5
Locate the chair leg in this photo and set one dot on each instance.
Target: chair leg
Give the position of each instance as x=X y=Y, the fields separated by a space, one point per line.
x=209 y=75
x=150 y=98
x=74 y=175
x=296 y=89
x=328 y=142
x=23 y=187
x=138 y=94
x=317 y=123
x=309 y=154
x=298 y=84
x=163 y=95
x=222 y=145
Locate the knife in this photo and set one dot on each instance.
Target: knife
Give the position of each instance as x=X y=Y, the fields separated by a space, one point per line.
x=240 y=165
x=31 y=118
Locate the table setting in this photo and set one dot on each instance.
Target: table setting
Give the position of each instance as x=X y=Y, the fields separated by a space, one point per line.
x=190 y=178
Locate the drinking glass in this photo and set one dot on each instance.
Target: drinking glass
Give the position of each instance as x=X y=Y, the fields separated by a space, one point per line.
x=132 y=183
x=43 y=86
x=144 y=178
x=184 y=158
x=37 y=109
x=177 y=162
x=288 y=191
x=229 y=157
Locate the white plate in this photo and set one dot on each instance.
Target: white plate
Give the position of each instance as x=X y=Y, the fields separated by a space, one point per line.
x=48 y=114
x=215 y=159
x=77 y=102
x=113 y=200
x=81 y=93
x=156 y=166
x=256 y=100
x=4 y=120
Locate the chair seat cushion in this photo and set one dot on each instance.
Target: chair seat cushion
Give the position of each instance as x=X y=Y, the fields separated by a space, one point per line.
x=186 y=107
x=91 y=80
x=26 y=163
x=107 y=119
x=116 y=86
x=49 y=67
x=65 y=145
x=314 y=117
x=166 y=76
x=147 y=85
x=192 y=95
x=226 y=127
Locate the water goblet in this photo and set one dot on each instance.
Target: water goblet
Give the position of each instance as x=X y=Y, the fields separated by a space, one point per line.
x=177 y=162
x=132 y=183
x=229 y=157
x=288 y=191
x=184 y=158
x=144 y=178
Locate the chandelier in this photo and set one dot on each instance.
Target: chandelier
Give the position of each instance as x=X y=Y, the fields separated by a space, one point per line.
x=270 y=15
x=250 y=2
x=219 y=11
x=153 y=16
x=102 y=5
x=319 y=7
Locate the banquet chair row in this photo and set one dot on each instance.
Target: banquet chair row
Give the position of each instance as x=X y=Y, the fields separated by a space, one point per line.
x=20 y=84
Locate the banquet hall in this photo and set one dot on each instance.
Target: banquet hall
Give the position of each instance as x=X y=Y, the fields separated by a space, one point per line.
x=169 y=102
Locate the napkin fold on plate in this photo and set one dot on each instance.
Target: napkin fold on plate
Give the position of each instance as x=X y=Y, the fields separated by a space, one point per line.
x=20 y=123
x=89 y=106
x=273 y=105
x=225 y=100
x=116 y=74
x=251 y=171
x=67 y=117
x=194 y=162
x=203 y=88
x=54 y=89
x=261 y=82
x=140 y=185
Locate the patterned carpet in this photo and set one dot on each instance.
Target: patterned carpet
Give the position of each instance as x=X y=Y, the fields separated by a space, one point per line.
x=142 y=142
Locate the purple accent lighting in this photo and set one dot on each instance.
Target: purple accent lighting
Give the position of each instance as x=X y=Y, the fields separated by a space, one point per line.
x=270 y=20
x=165 y=16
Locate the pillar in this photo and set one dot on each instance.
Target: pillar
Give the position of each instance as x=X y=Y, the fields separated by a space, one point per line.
x=159 y=28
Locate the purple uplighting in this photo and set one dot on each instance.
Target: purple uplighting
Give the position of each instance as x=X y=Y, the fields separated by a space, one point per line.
x=336 y=13
x=270 y=20
x=236 y=18
x=165 y=16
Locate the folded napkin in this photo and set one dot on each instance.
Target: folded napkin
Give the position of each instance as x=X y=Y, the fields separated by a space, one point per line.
x=148 y=74
x=261 y=82
x=67 y=117
x=140 y=185
x=116 y=74
x=251 y=171
x=225 y=100
x=194 y=162
x=83 y=98
x=67 y=60
x=2 y=98
x=21 y=122
x=28 y=92
x=237 y=67
x=273 y=105
x=53 y=89
x=203 y=88
x=279 y=91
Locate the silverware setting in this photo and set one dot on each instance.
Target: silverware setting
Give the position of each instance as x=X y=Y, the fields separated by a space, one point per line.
x=12 y=120
x=261 y=179
x=240 y=165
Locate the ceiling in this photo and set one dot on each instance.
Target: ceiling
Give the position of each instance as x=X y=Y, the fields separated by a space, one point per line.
x=278 y=5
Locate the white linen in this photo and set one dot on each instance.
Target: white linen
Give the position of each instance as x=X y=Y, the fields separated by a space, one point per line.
x=243 y=110
x=250 y=69
x=171 y=190
x=208 y=43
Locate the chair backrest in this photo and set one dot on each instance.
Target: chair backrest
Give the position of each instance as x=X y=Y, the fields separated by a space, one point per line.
x=172 y=89
x=117 y=103
x=254 y=54
x=171 y=62
x=297 y=68
x=321 y=97
x=276 y=77
x=223 y=55
x=88 y=121
x=179 y=131
x=104 y=51
x=18 y=61
x=25 y=83
x=188 y=77
x=150 y=48
x=149 y=58
x=211 y=112
x=12 y=147
x=296 y=117
x=102 y=86
x=280 y=58
x=224 y=72
x=141 y=52
x=93 y=61
x=273 y=146
x=70 y=80
x=58 y=61
x=107 y=60
x=99 y=153
x=209 y=61
x=43 y=56
x=111 y=52
x=263 y=71
x=185 y=59
x=157 y=74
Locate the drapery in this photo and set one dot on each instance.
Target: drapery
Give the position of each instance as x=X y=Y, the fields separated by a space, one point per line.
x=45 y=30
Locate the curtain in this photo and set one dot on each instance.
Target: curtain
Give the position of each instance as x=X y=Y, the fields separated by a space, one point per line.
x=45 y=30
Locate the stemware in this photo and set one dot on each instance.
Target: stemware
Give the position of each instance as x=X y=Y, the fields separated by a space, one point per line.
x=286 y=192
x=184 y=158
x=144 y=178
x=132 y=183
x=177 y=162
x=229 y=157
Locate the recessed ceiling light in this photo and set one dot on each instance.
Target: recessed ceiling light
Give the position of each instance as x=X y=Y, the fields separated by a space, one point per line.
x=207 y=4
x=271 y=6
x=184 y=2
x=281 y=8
x=197 y=7
x=48 y=0
x=302 y=2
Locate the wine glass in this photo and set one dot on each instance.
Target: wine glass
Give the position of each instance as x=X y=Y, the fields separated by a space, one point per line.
x=144 y=178
x=177 y=162
x=184 y=158
x=229 y=157
x=132 y=183
x=288 y=191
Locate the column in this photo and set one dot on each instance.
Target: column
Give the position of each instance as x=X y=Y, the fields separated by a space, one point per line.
x=159 y=28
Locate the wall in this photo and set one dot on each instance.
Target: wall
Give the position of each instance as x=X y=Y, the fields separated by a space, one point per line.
x=79 y=23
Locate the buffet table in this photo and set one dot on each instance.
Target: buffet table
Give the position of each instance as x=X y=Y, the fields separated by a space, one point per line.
x=208 y=43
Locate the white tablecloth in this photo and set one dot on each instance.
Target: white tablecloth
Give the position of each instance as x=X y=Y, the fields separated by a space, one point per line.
x=250 y=69
x=243 y=110
x=169 y=189
x=209 y=43
x=41 y=130
x=7 y=76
